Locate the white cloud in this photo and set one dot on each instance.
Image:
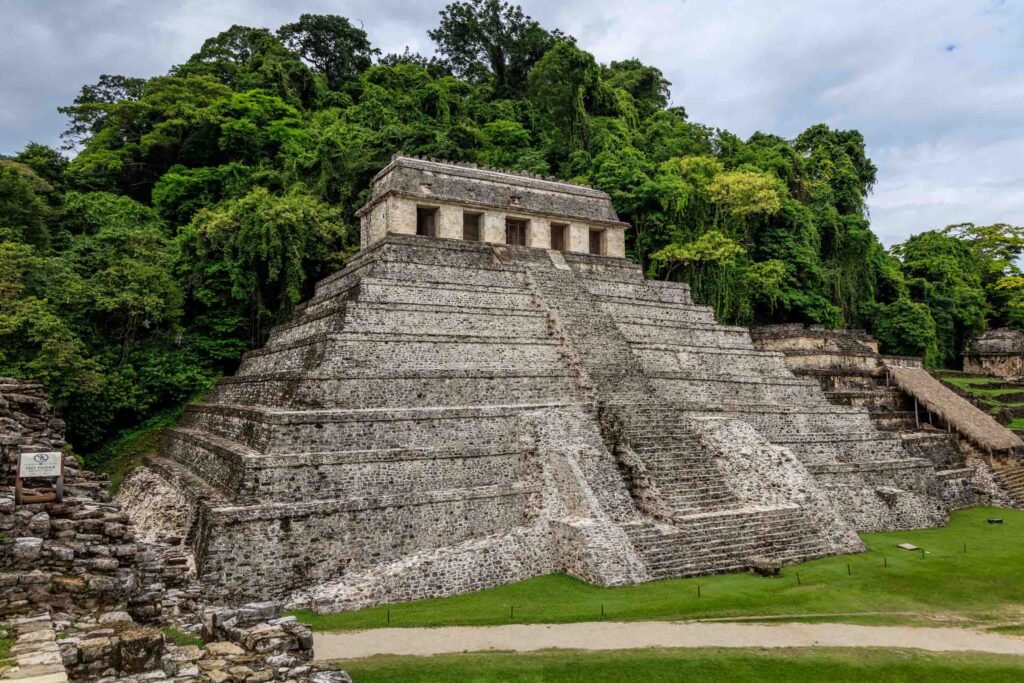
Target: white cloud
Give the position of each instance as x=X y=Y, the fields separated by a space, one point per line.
x=943 y=125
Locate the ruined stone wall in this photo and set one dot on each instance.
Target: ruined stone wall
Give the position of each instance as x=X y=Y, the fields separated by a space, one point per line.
x=78 y=554
x=1008 y=366
x=26 y=424
x=472 y=565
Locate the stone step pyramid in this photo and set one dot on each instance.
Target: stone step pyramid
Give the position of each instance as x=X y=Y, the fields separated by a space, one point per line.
x=445 y=415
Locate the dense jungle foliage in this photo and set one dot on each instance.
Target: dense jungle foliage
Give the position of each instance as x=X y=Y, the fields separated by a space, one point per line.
x=201 y=205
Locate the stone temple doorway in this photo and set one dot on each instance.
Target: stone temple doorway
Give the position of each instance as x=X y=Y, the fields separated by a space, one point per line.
x=515 y=231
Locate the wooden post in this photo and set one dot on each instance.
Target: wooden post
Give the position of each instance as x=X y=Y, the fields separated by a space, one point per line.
x=917 y=417
x=18 y=486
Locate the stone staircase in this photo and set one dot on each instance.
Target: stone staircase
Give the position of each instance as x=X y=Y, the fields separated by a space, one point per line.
x=892 y=411
x=601 y=352
x=706 y=369
x=1009 y=474
x=704 y=527
x=680 y=469
x=725 y=541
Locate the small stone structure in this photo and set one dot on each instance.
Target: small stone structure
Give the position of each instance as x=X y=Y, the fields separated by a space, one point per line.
x=998 y=352
x=853 y=373
x=447 y=414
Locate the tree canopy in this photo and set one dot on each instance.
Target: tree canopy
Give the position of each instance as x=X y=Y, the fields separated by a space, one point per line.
x=202 y=204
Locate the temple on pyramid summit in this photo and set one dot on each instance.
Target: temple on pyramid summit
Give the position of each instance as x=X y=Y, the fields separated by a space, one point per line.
x=489 y=391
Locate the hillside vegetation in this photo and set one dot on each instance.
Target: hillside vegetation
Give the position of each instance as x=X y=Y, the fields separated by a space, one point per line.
x=200 y=206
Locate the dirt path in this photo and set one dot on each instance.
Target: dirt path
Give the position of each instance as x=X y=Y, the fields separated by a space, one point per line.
x=618 y=635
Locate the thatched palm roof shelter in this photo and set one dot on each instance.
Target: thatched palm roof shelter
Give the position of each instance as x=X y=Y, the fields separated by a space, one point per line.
x=954 y=410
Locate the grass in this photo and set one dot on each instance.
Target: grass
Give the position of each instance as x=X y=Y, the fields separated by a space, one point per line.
x=982 y=389
x=1008 y=629
x=827 y=665
x=125 y=452
x=981 y=586
x=181 y=638
x=6 y=643
x=970 y=383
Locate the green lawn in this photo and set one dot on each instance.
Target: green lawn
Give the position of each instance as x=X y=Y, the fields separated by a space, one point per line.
x=970 y=383
x=828 y=665
x=982 y=389
x=180 y=638
x=984 y=586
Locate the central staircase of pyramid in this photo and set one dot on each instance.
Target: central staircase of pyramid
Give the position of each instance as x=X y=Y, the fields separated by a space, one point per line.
x=443 y=416
x=695 y=523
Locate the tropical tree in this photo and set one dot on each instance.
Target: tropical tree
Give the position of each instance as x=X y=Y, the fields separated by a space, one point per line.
x=490 y=41
x=331 y=45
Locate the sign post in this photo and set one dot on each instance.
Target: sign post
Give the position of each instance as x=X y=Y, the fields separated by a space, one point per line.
x=36 y=466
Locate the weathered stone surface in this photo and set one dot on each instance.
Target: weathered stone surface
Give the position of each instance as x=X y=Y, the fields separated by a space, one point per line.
x=114 y=617
x=331 y=677
x=26 y=548
x=82 y=560
x=223 y=649
x=553 y=214
x=998 y=352
x=35 y=656
x=851 y=372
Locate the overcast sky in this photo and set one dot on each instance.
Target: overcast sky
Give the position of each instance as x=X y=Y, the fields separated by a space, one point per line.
x=937 y=88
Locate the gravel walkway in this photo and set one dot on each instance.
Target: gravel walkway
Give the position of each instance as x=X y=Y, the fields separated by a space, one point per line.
x=619 y=635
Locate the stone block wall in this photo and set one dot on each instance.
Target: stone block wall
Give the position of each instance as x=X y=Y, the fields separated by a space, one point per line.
x=263 y=552
x=452 y=190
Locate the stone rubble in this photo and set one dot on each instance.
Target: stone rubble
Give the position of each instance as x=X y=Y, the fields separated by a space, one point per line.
x=89 y=600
